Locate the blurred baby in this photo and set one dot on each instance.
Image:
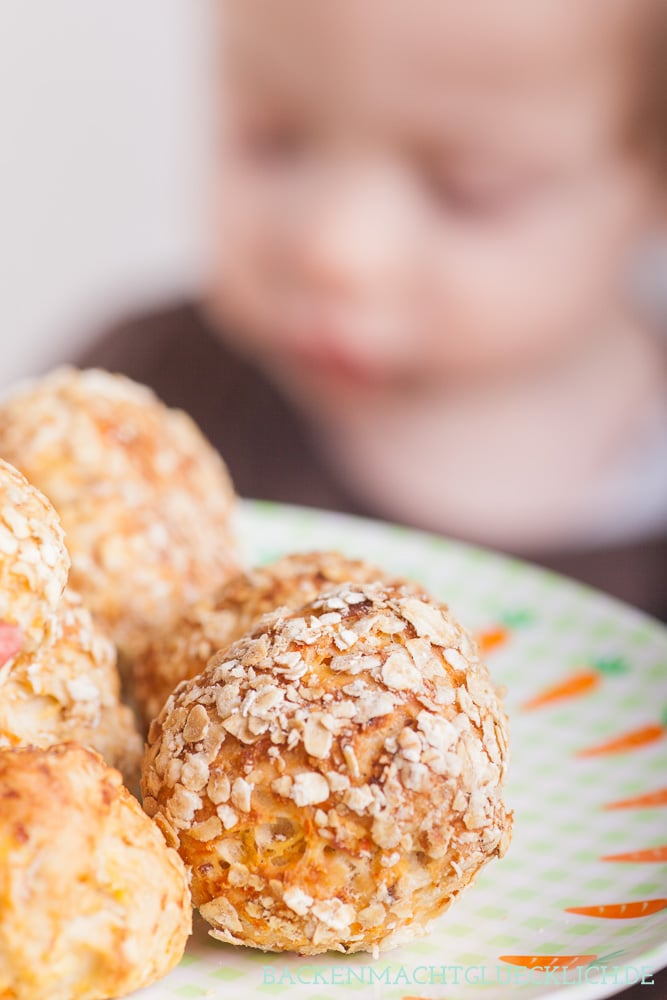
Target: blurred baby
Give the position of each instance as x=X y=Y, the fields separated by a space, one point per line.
x=423 y=221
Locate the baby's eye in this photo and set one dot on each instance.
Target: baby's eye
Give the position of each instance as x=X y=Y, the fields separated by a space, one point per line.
x=272 y=142
x=477 y=197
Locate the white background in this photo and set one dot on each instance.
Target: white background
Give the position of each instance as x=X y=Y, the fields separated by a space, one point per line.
x=102 y=143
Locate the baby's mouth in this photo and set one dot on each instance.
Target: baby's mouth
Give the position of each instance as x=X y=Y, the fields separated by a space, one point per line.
x=334 y=363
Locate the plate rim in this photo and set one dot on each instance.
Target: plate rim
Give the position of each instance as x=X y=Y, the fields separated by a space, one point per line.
x=253 y=505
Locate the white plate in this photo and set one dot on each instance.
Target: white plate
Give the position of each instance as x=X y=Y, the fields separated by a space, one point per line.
x=570 y=849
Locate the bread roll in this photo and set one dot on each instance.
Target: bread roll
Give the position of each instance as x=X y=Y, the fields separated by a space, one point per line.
x=144 y=499
x=69 y=691
x=214 y=622
x=58 y=677
x=33 y=565
x=334 y=779
x=93 y=904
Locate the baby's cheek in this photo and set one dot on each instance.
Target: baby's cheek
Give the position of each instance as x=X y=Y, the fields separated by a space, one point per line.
x=236 y=278
x=494 y=307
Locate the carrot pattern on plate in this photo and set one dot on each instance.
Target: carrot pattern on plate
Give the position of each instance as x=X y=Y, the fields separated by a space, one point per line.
x=633 y=740
x=647 y=800
x=554 y=963
x=551 y=962
x=620 y=911
x=498 y=635
x=647 y=854
x=580 y=683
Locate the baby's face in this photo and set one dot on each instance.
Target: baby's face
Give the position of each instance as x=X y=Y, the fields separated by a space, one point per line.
x=417 y=191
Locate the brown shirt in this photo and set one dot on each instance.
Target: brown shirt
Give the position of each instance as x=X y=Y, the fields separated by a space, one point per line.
x=272 y=455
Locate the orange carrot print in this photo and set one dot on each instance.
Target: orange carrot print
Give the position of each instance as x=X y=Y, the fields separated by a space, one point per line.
x=632 y=740
x=646 y=855
x=542 y=963
x=577 y=684
x=551 y=962
x=492 y=638
x=648 y=800
x=498 y=634
x=620 y=911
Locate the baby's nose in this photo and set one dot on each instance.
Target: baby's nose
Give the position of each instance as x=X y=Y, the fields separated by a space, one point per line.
x=353 y=234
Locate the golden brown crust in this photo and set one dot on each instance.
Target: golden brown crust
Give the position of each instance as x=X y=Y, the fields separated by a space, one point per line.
x=58 y=676
x=92 y=902
x=215 y=622
x=69 y=691
x=144 y=499
x=33 y=560
x=334 y=779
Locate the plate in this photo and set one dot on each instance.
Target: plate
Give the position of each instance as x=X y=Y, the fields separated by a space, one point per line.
x=578 y=906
